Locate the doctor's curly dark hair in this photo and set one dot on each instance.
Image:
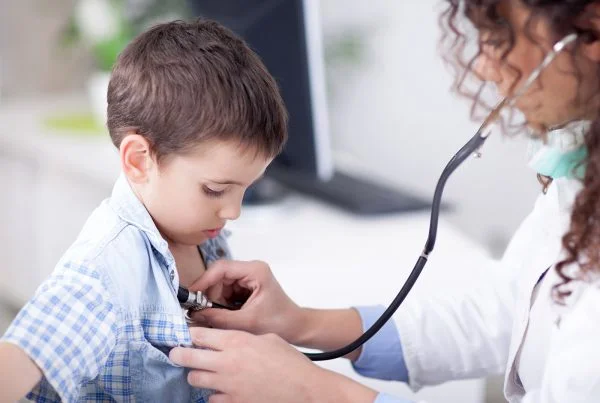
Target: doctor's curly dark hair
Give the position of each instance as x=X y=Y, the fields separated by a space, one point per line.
x=460 y=22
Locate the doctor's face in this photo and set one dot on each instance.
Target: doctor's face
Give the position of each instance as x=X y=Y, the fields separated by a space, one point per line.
x=566 y=90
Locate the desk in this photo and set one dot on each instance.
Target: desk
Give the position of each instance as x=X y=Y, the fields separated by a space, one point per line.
x=322 y=256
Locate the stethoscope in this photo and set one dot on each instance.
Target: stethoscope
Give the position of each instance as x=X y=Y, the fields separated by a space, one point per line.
x=197 y=301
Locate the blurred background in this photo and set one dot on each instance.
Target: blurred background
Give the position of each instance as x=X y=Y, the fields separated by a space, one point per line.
x=375 y=107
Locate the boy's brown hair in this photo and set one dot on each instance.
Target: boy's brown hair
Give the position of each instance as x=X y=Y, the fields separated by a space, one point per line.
x=180 y=83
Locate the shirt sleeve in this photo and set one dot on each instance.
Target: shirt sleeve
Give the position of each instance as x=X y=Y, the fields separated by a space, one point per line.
x=68 y=328
x=381 y=357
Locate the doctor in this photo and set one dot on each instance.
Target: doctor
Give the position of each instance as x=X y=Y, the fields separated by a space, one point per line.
x=540 y=324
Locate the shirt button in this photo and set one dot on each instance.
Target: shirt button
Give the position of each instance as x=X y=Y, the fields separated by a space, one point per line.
x=172 y=274
x=220 y=252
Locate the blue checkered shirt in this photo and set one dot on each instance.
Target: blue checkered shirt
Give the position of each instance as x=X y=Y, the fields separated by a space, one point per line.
x=100 y=328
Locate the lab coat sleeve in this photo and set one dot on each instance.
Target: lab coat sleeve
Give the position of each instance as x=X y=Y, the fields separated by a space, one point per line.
x=381 y=357
x=572 y=371
x=385 y=398
x=461 y=333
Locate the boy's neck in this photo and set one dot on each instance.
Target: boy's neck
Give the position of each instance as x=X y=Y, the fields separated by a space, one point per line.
x=188 y=258
x=189 y=262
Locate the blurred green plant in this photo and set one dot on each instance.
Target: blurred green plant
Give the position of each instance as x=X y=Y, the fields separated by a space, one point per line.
x=345 y=48
x=105 y=27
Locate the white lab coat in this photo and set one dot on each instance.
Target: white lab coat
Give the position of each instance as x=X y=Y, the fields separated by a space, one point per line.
x=478 y=330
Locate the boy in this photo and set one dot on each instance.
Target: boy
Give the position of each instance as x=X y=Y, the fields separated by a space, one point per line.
x=196 y=118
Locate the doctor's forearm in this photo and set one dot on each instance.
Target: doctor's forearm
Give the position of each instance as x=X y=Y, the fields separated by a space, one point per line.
x=328 y=329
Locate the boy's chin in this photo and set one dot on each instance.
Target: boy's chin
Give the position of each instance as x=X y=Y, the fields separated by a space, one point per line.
x=191 y=239
x=199 y=239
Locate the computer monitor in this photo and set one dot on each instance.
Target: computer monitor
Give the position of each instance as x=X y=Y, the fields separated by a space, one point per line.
x=287 y=35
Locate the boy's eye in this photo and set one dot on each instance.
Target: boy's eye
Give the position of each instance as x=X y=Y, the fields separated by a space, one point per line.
x=211 y=192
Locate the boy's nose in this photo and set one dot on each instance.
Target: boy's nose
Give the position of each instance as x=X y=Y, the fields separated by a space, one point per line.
x=231 y=211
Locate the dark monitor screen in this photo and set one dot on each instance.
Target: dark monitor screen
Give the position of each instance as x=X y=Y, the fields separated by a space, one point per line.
x=286 y=35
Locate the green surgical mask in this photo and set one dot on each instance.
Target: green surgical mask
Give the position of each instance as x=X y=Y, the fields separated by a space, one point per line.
x=564 y=153
x=556 y=163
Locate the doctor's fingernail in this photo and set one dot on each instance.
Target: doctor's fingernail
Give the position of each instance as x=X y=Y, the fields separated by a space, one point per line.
x=175 y=354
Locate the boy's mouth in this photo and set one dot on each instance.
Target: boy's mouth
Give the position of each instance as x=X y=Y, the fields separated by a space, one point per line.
x=213 y=233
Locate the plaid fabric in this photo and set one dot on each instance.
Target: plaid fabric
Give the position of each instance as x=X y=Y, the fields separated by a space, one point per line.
x=101 y=327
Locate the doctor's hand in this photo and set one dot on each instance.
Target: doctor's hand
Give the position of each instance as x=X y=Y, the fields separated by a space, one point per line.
x=266 y=308
x=243 y=367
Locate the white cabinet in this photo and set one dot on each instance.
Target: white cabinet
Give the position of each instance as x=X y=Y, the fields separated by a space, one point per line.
x=66 y=200
x=49 y=184
x=17 y=235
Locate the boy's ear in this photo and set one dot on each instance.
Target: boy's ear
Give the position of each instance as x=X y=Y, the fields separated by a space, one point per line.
x=136 y=158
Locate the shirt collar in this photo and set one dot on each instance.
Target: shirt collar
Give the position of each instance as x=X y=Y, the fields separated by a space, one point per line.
x=130 y=209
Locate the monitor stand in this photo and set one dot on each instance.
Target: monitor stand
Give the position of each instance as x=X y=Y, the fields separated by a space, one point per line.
x=264 y=192
x=351 y=193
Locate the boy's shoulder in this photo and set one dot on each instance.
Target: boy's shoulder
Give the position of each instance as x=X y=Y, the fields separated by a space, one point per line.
x=102 y=232
x=119 y=254
x=119 y=229
x=107 y=242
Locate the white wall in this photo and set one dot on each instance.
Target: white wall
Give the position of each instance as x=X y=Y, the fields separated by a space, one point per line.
x=394 y=115
x=33 y=59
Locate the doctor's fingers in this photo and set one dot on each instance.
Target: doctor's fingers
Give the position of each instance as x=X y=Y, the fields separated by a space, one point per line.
x=247 y=274
x=204 y=379
x=224 y=319
x=220 y=340
x=187 y=357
